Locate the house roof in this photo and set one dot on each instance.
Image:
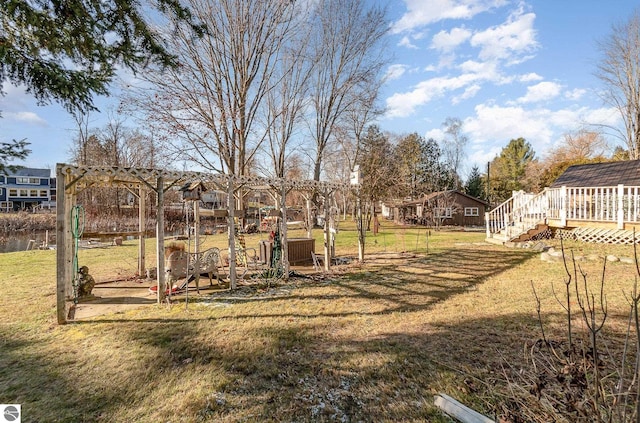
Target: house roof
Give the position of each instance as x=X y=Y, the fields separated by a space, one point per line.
x=600 y=175
x=27 y=171
x=439 y=193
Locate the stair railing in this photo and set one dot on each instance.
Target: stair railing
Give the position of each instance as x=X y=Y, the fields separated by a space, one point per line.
x=517 y=215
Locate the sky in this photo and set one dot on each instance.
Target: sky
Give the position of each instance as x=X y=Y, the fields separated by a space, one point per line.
x=506 y=69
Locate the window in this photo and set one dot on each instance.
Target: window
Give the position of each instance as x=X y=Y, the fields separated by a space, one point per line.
x=23 y=192
x=445 y=212
x=471 y=211
x=44 y=193
x=27 y=180
x=13 y=192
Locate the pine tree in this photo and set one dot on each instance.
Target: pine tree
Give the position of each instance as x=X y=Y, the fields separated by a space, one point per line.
x=475 y=185
x=68 y=50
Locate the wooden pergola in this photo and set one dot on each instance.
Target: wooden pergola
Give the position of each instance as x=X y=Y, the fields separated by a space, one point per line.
x=72 y=179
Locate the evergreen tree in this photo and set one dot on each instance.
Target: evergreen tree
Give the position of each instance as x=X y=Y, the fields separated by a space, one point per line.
x=69 y=50
x=421 y=167
x=15 y=150
x=475 y=185
x=508 y=170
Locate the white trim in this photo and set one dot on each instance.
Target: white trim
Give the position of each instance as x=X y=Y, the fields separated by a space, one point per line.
x=472 y=211
x=27 y=180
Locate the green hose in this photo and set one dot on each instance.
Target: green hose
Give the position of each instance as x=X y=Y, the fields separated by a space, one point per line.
x=77 y=227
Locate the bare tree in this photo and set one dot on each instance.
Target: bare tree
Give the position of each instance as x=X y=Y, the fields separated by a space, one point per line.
x=114 y=144
x=79 y=151
x=581 y=144
x=286 y=102
x=580 y=147
x=349 y=57
x=453 y=148
x=209 y=106
x=378 y=171
x=362 y=111
x=619 y=70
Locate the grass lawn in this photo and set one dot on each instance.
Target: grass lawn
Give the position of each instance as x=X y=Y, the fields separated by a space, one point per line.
x=374 y=342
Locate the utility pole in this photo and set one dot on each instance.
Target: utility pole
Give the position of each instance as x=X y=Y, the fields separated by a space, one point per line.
x=488 y=184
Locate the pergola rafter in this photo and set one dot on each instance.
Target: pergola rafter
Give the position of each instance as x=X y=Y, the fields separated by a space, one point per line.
x=71 y=179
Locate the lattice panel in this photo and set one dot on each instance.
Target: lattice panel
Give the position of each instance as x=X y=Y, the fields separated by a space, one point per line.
x=546 y=234
x=599 y=235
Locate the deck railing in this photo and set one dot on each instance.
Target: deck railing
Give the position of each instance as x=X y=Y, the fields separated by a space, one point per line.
x=523 y=211
x=618 y=204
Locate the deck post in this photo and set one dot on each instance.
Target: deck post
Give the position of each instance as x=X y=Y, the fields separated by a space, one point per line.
x=563 y=206
x=620 y=207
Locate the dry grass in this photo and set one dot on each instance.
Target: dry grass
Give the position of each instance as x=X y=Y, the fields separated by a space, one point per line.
x=370 y=343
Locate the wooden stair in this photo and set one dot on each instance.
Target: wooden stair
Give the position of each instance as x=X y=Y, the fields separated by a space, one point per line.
x=531 y=233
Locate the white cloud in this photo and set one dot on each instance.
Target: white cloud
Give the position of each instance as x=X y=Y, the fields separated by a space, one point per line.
x=602 y=116
x=509 y=40
x=406 y=42
x=404 y=104
x=436 y=133
x=395 y=71
x=448 y=41
x=575 y=94
x=15 y=98
x=26 y=117
x=421 y=12
x=484 y=70
x=541 y=92
x=468 y=93
x=481 y=157
x=530 y=77
x=497 y=124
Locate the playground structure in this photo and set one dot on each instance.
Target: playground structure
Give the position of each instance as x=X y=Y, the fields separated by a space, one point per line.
x=72 y=179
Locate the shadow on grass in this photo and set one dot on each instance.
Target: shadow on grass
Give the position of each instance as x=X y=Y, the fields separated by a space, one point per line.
x=327 y=352
x=411 y=284
x=276 y=371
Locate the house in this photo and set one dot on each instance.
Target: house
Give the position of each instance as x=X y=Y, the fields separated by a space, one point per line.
x=27 y=188
x=594 y=202
x=450 y=207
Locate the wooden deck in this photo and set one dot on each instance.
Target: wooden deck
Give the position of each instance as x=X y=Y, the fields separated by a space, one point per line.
x=615 y=210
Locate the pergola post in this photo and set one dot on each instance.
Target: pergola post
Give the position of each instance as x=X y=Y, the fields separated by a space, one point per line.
x=231 y=233
x=285 y=243
x=309 y=218
x=327 y=234
x=196 y=226
x=160 y=240
x=142 y=210
x=64 y=252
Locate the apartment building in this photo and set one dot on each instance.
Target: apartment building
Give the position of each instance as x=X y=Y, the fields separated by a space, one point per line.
x=27 y=189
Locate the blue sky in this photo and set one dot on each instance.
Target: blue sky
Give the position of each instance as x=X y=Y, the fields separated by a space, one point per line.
x=506 y=69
